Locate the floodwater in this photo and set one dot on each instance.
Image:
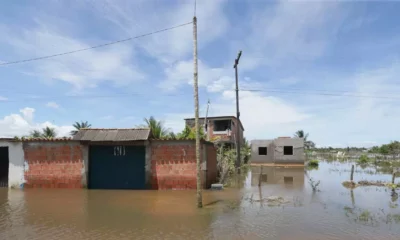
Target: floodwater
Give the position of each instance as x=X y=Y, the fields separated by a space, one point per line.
x=334 y=212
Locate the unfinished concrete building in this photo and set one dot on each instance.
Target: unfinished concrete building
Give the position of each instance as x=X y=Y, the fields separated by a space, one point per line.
x=279 y=150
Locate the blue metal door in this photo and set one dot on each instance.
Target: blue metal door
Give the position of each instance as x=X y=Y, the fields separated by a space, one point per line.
x=117 y=167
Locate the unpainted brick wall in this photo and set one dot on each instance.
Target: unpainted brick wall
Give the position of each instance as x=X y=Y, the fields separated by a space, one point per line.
x=53 y=164
x=173 y=165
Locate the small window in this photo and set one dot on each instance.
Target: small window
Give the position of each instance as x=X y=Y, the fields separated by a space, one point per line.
x=288 y=180
x=288 y=150
x=262 y=151
x=222 y=125
x=264 y=178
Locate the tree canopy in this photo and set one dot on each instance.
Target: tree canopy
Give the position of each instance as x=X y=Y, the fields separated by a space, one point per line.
x=307 y=144
x=78 y=126
x=157 y=128
x=46 y=132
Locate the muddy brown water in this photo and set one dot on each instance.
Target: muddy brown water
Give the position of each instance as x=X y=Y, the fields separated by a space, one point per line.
x=234 y=213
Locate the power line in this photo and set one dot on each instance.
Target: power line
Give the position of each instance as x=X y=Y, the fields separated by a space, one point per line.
x=85 y=97
x=97 y=46
x=314 y=90
x=322 y=94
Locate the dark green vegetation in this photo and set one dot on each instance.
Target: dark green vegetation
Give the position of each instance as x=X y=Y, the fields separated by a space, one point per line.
x=391 y=148
x=307 y=144
x=46 y=132
x=313 y=163
x=79 y=125
x=363 y=159
x=159 y=130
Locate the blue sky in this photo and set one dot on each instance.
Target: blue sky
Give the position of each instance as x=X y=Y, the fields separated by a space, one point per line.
x=293 y=53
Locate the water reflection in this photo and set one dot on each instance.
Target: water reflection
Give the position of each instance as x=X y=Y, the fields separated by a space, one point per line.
x=333 y=213
x=286 y=176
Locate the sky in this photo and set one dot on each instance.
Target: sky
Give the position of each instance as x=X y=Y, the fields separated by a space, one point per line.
x=299 y=60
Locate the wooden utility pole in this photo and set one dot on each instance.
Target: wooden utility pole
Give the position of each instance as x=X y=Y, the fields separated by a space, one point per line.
x=205 y=121
x=237 y=114
x=196 y=114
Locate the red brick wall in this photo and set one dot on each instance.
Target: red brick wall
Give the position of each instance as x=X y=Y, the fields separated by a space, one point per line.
x=211 y=165
x=53 y=165
x=211 y=134
x=173 y=165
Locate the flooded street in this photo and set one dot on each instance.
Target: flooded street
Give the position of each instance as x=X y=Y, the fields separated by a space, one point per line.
x=334 y=212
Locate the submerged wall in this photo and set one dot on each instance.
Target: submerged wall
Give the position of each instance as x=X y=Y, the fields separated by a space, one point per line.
x=173 y=164
x=275 y=151
x=298 y=150
x=54 y=164
x=256 y=158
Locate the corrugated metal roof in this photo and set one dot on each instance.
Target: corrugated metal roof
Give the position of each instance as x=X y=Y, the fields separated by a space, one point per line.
x=112 y=134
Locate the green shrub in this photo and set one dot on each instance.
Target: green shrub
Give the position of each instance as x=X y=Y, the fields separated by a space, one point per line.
x=313 y=163
x=363 y=159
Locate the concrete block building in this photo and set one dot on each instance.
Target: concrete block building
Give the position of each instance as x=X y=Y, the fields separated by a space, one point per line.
x=279 y=150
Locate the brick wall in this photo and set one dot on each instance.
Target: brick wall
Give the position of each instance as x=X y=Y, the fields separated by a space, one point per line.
x=210 y=129
x=173 y=165
x=53 y=164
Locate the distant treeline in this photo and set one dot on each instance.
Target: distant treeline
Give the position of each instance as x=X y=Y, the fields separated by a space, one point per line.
x=390 y=148
x=348 y=149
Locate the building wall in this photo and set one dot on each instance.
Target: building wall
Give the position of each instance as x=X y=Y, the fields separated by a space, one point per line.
x=16 y=163
x=222 y=136
x=255 y=158
x=173 y=164
x=54 y=164
x=298 y=150
x=275 y=151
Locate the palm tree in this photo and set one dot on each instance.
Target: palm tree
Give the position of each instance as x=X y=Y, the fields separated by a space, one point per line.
x=301 y=134
x=157 y=127
x=49 y=132
x=36 y=134
x=78 y=126
x=307 y=144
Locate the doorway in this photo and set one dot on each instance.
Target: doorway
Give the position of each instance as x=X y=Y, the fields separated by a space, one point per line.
x=4 y=163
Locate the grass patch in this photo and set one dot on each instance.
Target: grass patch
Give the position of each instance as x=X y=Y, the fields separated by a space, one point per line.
x=349 y=184
x=363 y=159
x=365 y=216
x=313 y=163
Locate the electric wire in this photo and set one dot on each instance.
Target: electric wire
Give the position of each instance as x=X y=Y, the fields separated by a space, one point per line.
x=93 y=47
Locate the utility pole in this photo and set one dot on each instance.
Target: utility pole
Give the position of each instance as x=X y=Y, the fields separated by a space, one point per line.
x=196 y=115
x=237 y=114
x=205 y=121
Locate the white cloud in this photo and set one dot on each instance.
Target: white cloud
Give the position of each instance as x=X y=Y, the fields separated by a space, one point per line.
x=182 y=73
x=133 y=18
x=3 y=98
x=52 y=105
x=290 y=32
x=82 y=69
x=259 y=114
x=22 y=124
